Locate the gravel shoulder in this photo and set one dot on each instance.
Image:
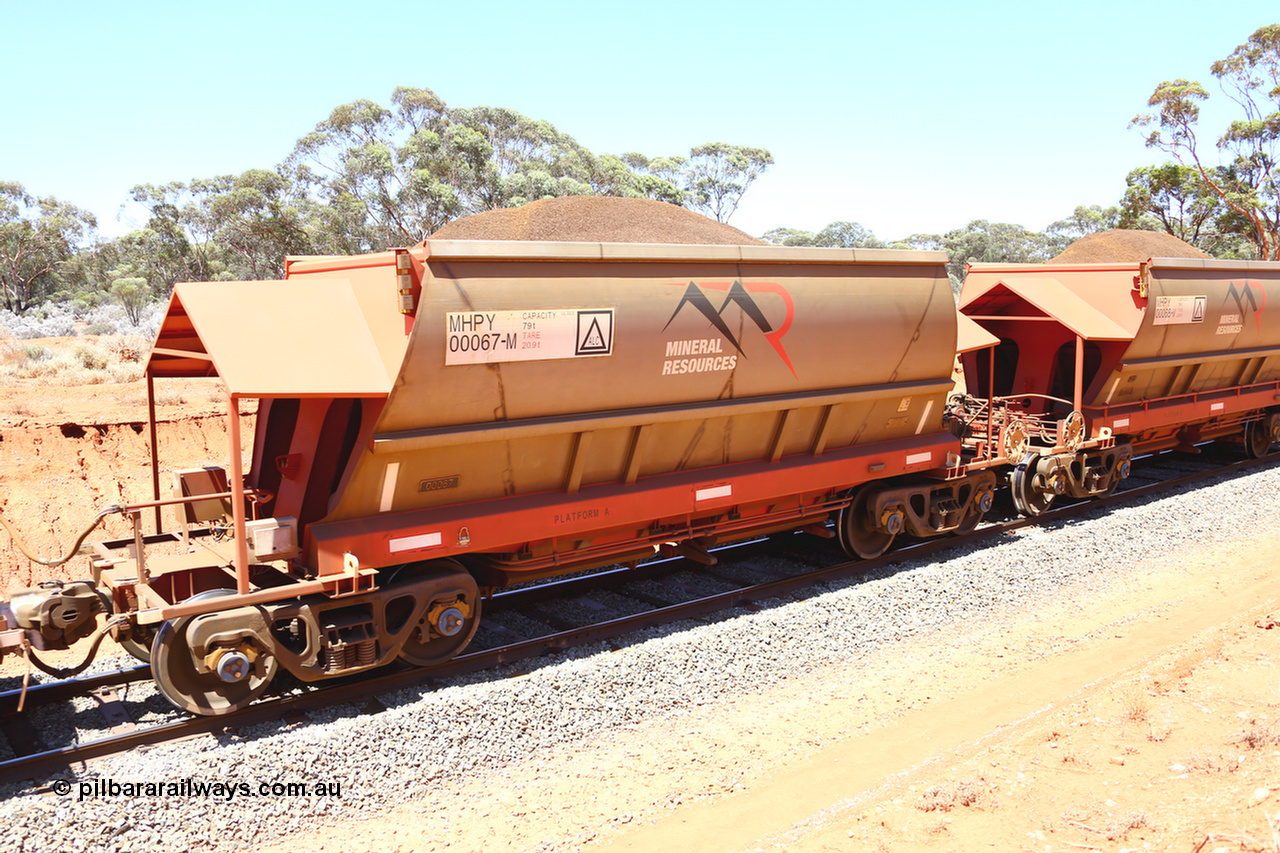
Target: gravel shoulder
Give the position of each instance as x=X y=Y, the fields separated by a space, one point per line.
x=1132 y=715
x=1139 y=715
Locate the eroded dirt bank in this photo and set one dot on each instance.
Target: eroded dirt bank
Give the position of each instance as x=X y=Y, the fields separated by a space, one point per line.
x=66 y=454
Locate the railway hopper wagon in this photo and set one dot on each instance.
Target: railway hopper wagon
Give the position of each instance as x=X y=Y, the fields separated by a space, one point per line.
x=437 y=422
x=1095 y=362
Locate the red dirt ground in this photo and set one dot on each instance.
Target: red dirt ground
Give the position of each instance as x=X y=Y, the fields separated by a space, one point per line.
x=68 y=451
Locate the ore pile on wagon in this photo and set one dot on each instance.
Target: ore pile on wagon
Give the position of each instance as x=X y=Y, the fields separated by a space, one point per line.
x=440 y=421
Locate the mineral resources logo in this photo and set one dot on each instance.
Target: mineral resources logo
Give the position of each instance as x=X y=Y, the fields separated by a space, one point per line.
x=1246 y=299
x=703 y=355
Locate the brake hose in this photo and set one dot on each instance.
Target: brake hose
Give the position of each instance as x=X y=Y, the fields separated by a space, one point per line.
x=75 y=548
x=98 y=636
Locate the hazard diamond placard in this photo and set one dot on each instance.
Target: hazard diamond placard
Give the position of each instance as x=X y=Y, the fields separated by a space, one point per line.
x=595 y=333
x=488 y=337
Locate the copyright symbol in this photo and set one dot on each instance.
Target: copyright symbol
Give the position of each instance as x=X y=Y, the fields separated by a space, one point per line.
x=61 y=787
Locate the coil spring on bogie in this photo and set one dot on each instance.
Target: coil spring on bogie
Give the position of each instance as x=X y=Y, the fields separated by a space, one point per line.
x=349 y=642
x=350 y=655
x=335 y=659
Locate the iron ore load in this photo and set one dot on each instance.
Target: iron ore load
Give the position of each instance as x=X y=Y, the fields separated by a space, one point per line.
x=438 y=422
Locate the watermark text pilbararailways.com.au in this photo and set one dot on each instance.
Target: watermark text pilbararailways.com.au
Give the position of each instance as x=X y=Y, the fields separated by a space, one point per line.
x=227 y=790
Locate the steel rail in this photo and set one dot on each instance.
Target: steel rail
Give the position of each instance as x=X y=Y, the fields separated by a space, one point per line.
x=368 y=685
x=47 y=692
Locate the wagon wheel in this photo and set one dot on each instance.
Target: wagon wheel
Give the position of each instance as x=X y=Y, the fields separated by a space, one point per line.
x=201 y=692
x=969 y=523
x=974 y=513
x=1123 y=467
x=858 y=533
x=1026 y=499
x=138 y=643
x=452 y=629
x=1257 y=439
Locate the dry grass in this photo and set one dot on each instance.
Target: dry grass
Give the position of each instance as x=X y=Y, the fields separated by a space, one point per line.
x=941 y=826
x=78 y=361
x=1122 y=826
x=1257 y=736
x=1216 y=763
x=1096 y=820
x=949 y=795
x=1069 y=757
x=170 y=398
x=1135 y=708
x=1243 y=841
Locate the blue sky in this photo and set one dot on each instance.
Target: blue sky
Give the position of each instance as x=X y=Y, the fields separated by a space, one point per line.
x=906 y=117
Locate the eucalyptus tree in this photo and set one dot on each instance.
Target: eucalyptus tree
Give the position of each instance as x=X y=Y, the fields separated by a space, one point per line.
x=628 y=176
x=1085 y=220
x=383 y=176
x=784 y=236
x=718 y=174
x=224 y=227
x=39 y=237
x=848 y=235
x=658 y=178
x=839 y=234
x=256 y=219
x=986 y=242
x=392 y=176
x=1173 y=198
x=375 y=194
x=1247 y=180
x=178 y=239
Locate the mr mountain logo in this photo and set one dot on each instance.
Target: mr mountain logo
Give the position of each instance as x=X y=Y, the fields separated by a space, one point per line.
x=1251 y=298
x=710 y=352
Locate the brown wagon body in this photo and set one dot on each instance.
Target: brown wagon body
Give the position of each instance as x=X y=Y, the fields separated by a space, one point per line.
x=647 y=368
x=1124 y=357
x=439 y=421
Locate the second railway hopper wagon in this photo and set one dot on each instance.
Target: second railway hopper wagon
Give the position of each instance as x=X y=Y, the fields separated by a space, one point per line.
x=440 y=421
x=1097 y=361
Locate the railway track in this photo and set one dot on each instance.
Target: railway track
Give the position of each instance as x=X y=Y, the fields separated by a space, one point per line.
x=699 y=590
